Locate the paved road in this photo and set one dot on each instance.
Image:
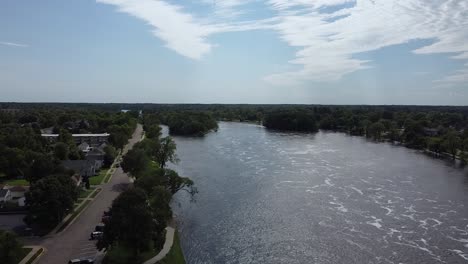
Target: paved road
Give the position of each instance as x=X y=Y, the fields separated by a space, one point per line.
x=74 y=241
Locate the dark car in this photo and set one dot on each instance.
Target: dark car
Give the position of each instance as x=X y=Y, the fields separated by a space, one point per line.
x=99 y=227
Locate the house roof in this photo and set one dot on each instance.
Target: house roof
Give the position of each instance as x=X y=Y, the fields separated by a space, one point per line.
x=96 y=152
x=82 y=167
x=78 y=135
x=18 y=189
x=83 y=146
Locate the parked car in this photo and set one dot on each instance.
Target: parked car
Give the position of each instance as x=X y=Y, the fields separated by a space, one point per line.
x=105 y=219
x=81 y=261
x=96 y=235
x=99 y=227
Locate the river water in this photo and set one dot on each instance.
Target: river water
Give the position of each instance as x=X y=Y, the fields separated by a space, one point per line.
x=275 y=197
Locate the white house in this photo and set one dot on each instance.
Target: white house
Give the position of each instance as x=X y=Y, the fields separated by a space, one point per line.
x=5 y=195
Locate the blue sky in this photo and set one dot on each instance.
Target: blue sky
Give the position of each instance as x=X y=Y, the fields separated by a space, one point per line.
x=235 y=51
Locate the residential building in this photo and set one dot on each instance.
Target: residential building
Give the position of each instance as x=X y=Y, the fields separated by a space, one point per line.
x=5 y=195
x=90 y=139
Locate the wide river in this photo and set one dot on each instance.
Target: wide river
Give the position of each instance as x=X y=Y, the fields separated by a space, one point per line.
x=275 y=197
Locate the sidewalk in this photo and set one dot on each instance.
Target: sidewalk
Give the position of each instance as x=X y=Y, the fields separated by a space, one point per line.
x=166 y=248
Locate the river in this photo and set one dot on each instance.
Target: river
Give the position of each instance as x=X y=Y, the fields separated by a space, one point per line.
x=275 y=197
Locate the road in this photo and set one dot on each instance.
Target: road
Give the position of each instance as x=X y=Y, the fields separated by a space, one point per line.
x=74 y=241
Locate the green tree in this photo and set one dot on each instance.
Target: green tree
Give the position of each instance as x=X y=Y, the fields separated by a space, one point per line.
x=166 y=152
x=434 y=144
x=61 y=151
x=451 y=142
x=131 y=224
x=375 y=130
x=49 y=200
x=153 y=131
x=42 y=165
x=10 y=248
x=135 y=161
x=109 y=156
x=175 y=183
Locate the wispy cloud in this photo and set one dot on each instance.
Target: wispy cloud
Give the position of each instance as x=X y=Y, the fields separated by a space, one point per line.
x=327 y=33
x=328 y=46
x=181 y=31
x=12 y=44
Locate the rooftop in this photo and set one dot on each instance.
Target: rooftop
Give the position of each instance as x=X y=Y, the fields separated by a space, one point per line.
x=79 y=135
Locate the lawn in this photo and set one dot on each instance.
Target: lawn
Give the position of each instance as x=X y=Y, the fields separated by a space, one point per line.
x=85 y=193
x=24 y=253
x=16 y=182
x=96 y=180
x=175 y=255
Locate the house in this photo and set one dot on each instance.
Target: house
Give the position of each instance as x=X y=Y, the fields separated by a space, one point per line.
x=431 y=131
x=96 y=155
x=91 y=139
x=83 y=169
x=5 y=195
x=18 y=191
x=84 y=147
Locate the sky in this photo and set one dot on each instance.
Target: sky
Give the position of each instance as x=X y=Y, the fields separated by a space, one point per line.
x=235 y=51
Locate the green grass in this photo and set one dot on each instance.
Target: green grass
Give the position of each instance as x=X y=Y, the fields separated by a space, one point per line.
x=96 y=180
x=16 y=182
x=24 y=252
x=85 y=193
x=76 y=212
x=107 y=179
x=31 y=260
x=96 y=192
x=175 y=255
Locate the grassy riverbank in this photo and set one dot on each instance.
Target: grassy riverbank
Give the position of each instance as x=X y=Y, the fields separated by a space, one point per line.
x=175 y=256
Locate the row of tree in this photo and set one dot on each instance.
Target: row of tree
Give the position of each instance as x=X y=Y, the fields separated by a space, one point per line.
x=439 y=132
x=140 y=214
x=186 y=123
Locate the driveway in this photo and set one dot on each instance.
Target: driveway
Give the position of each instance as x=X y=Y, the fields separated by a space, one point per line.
x=74 y=241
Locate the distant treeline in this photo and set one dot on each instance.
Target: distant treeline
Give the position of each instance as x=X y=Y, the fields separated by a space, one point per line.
x=186 y=123
x=440 y=129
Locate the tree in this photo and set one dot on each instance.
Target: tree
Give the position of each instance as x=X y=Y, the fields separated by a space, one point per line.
x=175 y=183
x=49 y=200
x=109 y=156
x=435 y=145
x=153 y=131
x=375 y=130
x=61 y=151
x=42 y=165
x=451 y=142
x=166 y=152
x=150 y=178
x=131 y=224
x=135 y=161
x=10 y=248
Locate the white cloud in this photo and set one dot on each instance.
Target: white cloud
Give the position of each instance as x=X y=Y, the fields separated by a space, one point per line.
x=327 y=47
x=181 y=31
x=327 y=42
x=12 y=44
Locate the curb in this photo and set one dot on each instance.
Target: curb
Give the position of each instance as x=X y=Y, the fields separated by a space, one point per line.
x=32 y=258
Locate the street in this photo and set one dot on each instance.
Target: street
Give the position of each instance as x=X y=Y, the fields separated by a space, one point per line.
x=74 y=241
